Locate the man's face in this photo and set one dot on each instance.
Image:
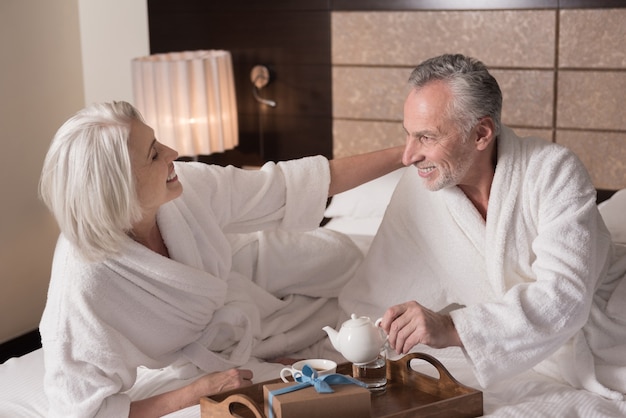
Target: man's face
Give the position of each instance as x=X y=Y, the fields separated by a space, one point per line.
x=434 y=144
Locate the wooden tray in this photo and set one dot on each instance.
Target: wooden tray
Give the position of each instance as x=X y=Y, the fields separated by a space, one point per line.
x=408 y=394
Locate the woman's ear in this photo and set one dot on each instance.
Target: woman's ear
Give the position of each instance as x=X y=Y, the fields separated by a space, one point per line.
x=485 y=133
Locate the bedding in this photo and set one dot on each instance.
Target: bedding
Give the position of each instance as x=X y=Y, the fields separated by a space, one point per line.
x=525 y=395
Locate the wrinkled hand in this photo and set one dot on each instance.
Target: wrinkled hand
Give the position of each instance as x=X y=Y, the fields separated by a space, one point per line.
x=177 y=399
x=213 y=383
x=409 y=324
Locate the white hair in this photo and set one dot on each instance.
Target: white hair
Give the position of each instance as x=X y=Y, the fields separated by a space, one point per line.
x=87 y=181
x=475 y=91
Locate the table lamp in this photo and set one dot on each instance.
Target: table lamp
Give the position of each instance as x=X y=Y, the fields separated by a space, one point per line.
x=188 y=98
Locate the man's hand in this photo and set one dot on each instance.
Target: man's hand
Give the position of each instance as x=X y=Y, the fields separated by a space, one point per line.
x=409 y=324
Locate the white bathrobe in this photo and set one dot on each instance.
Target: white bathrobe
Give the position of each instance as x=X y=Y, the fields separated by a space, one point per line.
x=226 y=293
x=538 y=279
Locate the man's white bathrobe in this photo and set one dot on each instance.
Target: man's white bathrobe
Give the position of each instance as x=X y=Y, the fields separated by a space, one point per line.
x=539 y=278
x=226 y=293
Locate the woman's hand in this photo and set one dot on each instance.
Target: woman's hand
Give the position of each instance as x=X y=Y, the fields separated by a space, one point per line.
x=217 y=382
x=189 y=395
x=409 y=324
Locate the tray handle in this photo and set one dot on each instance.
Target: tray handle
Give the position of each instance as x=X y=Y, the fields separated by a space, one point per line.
x=401 y=370
x=213 y=409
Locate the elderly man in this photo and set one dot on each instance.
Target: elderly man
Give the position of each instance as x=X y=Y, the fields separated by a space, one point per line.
x=505 y=227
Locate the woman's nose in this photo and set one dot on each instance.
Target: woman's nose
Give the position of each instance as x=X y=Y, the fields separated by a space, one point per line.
x=171 y=153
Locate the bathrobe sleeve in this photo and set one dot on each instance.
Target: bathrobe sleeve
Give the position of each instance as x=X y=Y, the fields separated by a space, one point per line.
x=546 y=252
x=290 y=195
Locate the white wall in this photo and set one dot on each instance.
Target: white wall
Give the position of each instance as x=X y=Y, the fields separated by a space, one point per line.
x=112 y=32
x=41 y=85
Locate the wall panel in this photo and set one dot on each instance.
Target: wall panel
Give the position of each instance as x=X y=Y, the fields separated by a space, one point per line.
x=592 y=100
x=372 y=93
x=527 y=97
x=502 y=38
x=593 y=38
x=603 y=153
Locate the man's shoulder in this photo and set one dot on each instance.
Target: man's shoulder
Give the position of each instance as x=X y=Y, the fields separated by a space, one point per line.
x=537 y=145
x=542 y=151
x=547 y=165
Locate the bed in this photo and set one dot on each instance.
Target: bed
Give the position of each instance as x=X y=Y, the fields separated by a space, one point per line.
x=358 y=214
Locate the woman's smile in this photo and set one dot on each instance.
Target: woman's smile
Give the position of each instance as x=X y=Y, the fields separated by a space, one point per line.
x=172 y=177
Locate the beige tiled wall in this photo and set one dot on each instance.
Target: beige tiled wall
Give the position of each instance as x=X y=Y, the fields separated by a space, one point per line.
x=562 y=74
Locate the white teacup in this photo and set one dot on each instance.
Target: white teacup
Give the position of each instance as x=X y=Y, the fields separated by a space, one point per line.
x=320 y=365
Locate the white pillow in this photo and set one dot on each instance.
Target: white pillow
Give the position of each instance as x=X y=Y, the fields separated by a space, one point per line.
x=368 y=200
x=613 y=211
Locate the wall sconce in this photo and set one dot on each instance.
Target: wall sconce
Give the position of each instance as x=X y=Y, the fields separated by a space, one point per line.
x=260 y=77
x=188 y=98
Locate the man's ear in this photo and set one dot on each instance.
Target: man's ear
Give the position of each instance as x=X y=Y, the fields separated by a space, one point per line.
x=485 y=133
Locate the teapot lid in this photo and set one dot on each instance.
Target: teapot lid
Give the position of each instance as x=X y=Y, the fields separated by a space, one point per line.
x=357 y=321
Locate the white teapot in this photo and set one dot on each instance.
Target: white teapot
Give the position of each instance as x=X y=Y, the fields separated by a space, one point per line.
x=359 y=340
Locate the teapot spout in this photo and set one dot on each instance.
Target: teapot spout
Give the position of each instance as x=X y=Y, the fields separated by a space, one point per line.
x=333 y=336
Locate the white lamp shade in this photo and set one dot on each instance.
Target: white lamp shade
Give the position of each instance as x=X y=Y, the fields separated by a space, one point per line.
x=188 y=98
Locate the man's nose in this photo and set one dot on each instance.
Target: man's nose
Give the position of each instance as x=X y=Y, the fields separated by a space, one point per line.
x=412 y=152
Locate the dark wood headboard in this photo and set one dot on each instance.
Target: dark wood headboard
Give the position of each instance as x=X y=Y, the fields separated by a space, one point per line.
x=291 y=38
x=603 y=194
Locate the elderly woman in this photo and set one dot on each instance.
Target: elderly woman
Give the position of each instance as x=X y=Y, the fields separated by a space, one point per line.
x=158 y=263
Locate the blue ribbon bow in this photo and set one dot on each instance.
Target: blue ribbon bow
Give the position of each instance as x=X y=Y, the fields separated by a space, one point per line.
x=309 y=377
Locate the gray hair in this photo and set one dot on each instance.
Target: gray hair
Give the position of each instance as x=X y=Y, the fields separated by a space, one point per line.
x=87 y=181
x=475 y=92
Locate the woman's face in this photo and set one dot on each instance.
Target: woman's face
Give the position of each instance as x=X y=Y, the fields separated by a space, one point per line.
x=153 y=168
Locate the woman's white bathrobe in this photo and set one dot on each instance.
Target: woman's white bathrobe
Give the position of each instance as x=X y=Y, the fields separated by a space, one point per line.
x=226 y=294
x=538 y=278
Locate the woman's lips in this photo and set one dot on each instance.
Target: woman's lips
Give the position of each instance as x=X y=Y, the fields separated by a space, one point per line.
x=172 y=177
